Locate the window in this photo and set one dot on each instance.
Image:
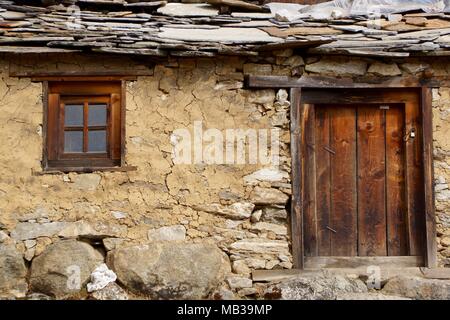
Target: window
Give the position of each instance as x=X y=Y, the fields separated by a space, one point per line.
x=83 y=126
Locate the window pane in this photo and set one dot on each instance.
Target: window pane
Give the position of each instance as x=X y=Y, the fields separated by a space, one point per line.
x=73 y=115
x=97 y=141
x=97 y=115
x=73 y=141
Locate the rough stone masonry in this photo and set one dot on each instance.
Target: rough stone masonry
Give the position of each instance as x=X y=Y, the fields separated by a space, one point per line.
x=223 y=221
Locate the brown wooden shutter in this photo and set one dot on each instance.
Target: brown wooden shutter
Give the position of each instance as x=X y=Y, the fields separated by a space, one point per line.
x=52 y=126
x=115 y=131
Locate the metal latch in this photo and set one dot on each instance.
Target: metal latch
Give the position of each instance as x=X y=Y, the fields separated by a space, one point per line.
x=384 y=107
x=410 y=134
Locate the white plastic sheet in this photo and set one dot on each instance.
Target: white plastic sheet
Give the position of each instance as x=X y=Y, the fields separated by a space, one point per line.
x=339 y=8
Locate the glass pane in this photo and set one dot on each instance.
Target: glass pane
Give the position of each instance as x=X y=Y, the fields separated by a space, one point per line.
x=73 y=141
x=97 y=115
x=97 y=141
x=73 y=115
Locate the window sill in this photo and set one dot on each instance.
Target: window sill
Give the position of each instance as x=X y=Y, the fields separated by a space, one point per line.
x=62 y=170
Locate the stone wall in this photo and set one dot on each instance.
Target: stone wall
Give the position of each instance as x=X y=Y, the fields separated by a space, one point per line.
x=242 y=209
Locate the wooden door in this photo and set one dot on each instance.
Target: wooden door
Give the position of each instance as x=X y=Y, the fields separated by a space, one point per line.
x=363 y=183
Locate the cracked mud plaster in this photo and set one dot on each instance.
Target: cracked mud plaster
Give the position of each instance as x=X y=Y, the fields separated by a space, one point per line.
x=173 y=95
x=159 y=193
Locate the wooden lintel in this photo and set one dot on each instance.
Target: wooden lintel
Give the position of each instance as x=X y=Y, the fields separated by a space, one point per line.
x=81 y=76
x=253 y=81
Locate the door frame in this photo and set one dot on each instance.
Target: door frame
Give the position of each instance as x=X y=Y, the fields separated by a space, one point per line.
x=300 y=100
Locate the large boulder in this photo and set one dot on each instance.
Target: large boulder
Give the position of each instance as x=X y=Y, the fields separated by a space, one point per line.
x=12 y=272
x=315 y=287
x=64 y=268
x=418 y=288
x=170 y=270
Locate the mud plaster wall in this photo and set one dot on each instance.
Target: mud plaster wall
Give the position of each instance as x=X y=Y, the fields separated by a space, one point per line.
x=244 y=213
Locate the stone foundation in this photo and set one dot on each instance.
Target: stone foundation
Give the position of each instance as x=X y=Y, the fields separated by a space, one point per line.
x=241 y=209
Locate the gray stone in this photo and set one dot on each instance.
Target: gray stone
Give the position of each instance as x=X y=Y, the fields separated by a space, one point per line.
x=12 y=15
x=188 y=10
x=64 y=268
x=418 y=288
x=30 y=243
x=223 y=294
x=266 y=96
x=233 y=35
x=38 y=213
x=38 y=296
x=111 y=292
x=274 y=214
x=112 y=243
x=28 y=230
x=247 y=292
x=238 y=210
x=266 y=226
x=266 y=174
x=256 y=216
x=170 y=270
x=315 y=287
x=259 y=245
x=415 y=68
x=100 y=278
x=13 y=272
x=267 y=196
x=240 y=267
x=3 y=236
x=368 y=296
x=282 y=96
x=236 y=282
x=119 y=214
x=170 y=233
x=86 y=181
x=99 y=230
x=293 y=62
x=337 y=67
x=29 y=254
x=384 y=69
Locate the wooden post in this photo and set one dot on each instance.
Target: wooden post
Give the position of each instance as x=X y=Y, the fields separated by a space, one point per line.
x=428 y=170
x=296 y=205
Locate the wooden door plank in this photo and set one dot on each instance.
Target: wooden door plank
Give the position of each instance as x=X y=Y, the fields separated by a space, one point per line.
x=323 y=175
x=397 y=244
x=430 y=217
x=357 y=262
x=296 y=205
x=309 y=201
x=343 y=182
x=414 y=179
x=371 y=182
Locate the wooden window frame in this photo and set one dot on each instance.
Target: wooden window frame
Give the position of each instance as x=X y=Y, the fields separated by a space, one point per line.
x=112 y=89
x=298 y=115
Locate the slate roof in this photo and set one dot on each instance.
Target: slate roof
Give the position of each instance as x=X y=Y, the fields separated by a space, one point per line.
x=229 y=27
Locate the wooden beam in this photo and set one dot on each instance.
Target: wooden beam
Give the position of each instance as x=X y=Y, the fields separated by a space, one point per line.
x=56 y=75
x=337 y=83
x=436 y=273
x=428 y=170
x=296 y=205
x=83 y=78
x=357 y=262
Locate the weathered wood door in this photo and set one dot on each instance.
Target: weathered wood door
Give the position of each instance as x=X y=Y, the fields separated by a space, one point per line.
x=362 y=183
